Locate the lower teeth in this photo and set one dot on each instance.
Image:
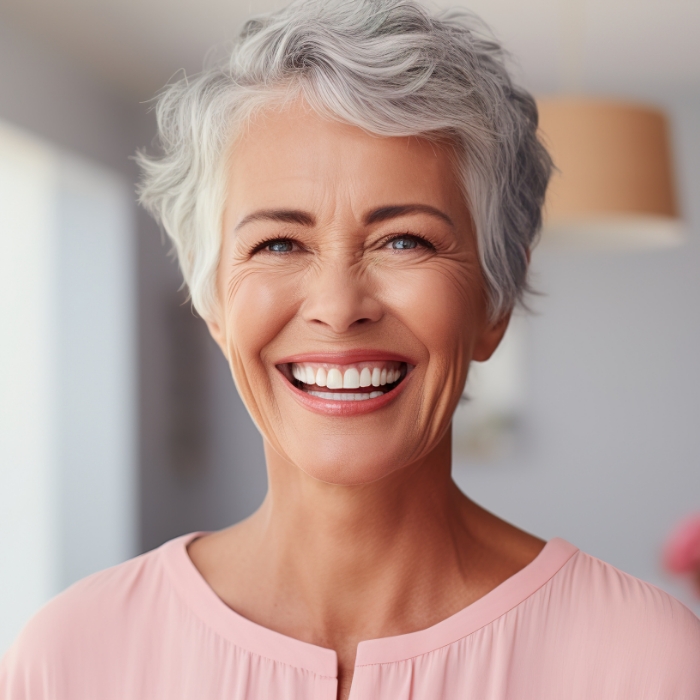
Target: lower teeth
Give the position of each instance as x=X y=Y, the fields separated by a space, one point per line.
x=346 y=397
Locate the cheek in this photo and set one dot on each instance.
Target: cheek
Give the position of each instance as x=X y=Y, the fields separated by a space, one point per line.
x=439 y=304
x=258 y=305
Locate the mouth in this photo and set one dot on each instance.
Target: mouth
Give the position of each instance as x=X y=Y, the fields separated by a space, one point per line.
x=345 y=388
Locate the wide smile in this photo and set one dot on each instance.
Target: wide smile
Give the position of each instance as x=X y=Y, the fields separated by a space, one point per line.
x=340 y=387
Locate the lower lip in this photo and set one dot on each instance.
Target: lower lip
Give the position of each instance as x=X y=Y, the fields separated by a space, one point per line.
x=328 y=407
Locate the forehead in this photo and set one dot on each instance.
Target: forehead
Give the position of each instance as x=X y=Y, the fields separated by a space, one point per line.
x=296 y=155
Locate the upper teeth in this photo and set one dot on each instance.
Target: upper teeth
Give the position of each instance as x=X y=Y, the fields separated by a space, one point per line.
x=350 y=378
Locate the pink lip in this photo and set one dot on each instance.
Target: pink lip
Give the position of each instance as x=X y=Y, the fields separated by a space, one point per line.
x=343 y=408
x=347 y=357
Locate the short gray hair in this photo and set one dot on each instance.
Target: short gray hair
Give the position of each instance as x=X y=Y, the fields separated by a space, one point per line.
x=392 y=68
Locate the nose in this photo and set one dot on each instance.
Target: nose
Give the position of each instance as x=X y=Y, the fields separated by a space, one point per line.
x=339 y=298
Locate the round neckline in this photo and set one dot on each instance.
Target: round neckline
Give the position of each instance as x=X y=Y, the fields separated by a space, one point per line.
x=196 y=593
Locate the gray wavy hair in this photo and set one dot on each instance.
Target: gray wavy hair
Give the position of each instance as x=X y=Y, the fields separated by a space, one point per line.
x=392 y=68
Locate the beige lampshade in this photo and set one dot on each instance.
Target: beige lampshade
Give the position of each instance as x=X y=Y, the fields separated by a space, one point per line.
x=614 y=187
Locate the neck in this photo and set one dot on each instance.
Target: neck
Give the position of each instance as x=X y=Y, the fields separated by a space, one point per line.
x=340 y=546
x=333 y=565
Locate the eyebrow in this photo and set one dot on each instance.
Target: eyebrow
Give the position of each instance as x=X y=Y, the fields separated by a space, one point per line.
x=392 y=212
x=287 y=216
x=303 y=218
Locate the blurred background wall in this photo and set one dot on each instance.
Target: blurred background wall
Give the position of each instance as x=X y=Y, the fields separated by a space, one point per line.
x=608 y=453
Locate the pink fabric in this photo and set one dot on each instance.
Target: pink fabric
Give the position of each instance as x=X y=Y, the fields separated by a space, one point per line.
x=567 y=626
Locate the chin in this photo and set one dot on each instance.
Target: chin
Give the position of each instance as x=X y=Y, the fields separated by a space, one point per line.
x=351 y=462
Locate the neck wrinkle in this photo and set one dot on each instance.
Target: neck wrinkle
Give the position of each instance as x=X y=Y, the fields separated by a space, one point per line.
x=383 y=548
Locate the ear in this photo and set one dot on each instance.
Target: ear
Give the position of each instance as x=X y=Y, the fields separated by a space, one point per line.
x=490 y=338
x=493 y=333
x=216 y=332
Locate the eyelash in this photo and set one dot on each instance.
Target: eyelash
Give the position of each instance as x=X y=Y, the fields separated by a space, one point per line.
x=412 y=236
x=264 y=244
x=419 y=240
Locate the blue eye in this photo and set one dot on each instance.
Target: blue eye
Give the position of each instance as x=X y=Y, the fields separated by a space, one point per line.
x=280 y=246
x=404 y=243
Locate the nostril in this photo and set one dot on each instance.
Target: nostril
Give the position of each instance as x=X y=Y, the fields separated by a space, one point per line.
x=340 y=314
x=358 y=322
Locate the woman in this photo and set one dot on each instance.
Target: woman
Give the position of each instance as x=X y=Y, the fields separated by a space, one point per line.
x=353 y=199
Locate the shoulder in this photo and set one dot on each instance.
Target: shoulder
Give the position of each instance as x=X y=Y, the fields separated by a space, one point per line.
x=85 y=625
x=625 y=628
x=99 y=605
x=612 y=597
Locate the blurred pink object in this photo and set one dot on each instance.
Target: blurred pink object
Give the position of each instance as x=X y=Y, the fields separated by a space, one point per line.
x=682 y=549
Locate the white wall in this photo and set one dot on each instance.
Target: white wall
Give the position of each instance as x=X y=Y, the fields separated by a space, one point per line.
x=61 y=100
x=95 y=280
x=67 y=374
x=610 y=452
x=27 y=474
x=71 y=507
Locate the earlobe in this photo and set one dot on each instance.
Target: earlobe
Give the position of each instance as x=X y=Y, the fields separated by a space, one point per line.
x=490 y=339
x=216 y=333
x=493 y=334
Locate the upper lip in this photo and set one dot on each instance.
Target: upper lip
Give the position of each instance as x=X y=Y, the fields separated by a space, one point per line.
x=347 y=357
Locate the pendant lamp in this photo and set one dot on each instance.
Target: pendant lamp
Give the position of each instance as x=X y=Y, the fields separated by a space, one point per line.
x=614 y=186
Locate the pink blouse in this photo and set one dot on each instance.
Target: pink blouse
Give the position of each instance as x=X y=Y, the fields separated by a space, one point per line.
x=567 y=626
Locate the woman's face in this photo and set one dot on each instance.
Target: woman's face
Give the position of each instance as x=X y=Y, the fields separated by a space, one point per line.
x=351 y=297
